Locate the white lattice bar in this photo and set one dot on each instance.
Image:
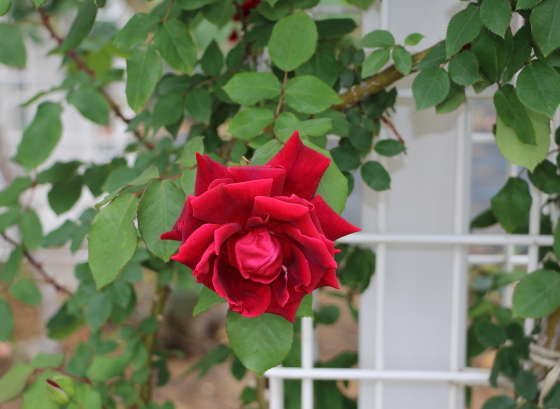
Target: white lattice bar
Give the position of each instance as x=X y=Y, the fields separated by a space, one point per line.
x=451 y=239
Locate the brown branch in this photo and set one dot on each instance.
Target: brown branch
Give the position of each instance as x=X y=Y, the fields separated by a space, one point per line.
x=63 y=372
x=39 y=267
x=388 y=122
x=374 y=84
x=82 y=66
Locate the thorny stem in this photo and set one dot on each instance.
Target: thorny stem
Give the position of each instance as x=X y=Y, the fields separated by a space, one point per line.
x=279 y=107
x=82 y=66
x=162 y=291
x=260 y=393
x=374 y=84
x=39 y=267
x=390 y=124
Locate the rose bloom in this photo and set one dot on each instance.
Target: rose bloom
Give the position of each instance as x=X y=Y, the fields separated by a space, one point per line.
x=258 y=235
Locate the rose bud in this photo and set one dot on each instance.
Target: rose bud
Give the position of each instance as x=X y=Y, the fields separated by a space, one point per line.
x=61 y=389
x=259 y=236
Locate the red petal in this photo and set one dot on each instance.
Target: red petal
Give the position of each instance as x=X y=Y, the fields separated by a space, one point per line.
x=248 y=173
x=185 y=225
x=280 y=209
x=207 y=170
x=246 y=297
x=259 y=256
x=192 y=250
x=216 y=182
x=315 y=249
x=332 y=224
x=224 y=233
x=280 y=290
x=329 y=279
x=289 y=310
x=299 y=273
x=230 y=203
x=304 y=168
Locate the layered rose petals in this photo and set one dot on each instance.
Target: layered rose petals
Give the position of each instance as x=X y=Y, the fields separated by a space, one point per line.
x=258 y=235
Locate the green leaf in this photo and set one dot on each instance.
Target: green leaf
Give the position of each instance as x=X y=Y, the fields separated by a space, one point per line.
x=360 y=138
x=499 y=402
x=91 y=103
x=489 y=334
x=514 y=114
x=362 y=4
x=112 y=239
x=5 y=6
x=526 y=385
x=26 y=291
x=346 y=158
x=10 y=217
x=86 y=397
x=309 y=95
x=462 y=29
x=271 y=338
x=512 y=203
x=305 y=309
x=389 y=147
x=104 y=368
x=14 y=381
x=335 y=27
x=340 y=125
x=10 y=195
x=413 y=39
x=176 y=46
x=435 y=56
x=81 y=26
x=136 y=30
x=193 y=4
x=98 y=310
x=526 y=4
x=199 y=104
x=263 y=154
x=538 y=87
x=430 y=87
x=311 y=127
x=192 y=147
x=206 y=299
x=31 y=229
x=41 y=136
x=293 y=41
x=537 y=295
x=64 y=195
x=94 y=178
x=44 y=360
x=463 y=68
x=496 y=15
x=333 y=188
x=552 y=398
x=522 y=50
x=12 y=266
x=327 y=315
x=160 y=208
x=453 y=100
x=359 y=268
x=143 y=72
x=168 y=110
x=545 y=178
x=374 y=62
x=6 y=322
x=484 y=219
x=378 y=38
x=493 y=52
x=375 y=176
x=402 y=59
x=219 y=12
x=38 y=392
x=12 y=47
x=60 y=236
x=250 y=122
x=323 y=65
x=545 y=23
x=59 y=172
x=248 y=88
x=212 y=61
x=520 y=153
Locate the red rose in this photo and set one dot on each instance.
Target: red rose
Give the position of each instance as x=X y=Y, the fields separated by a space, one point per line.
x=258 y=235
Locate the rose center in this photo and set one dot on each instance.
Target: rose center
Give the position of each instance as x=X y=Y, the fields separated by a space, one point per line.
x=259 y=256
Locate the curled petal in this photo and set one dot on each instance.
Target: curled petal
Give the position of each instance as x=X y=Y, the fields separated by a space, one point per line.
x=334 y=226
x=259 y=256
x=304 y=168
x=207 y=171
x=184 y=226
x=224 y=233
x=216 y=182
x=244 y=296
x=192 y=250
x=315 y=249
x=289 y=309
x=280 y=289
x=280 y=209
x=297 y=266
x=230 y=203
x=249 y=173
